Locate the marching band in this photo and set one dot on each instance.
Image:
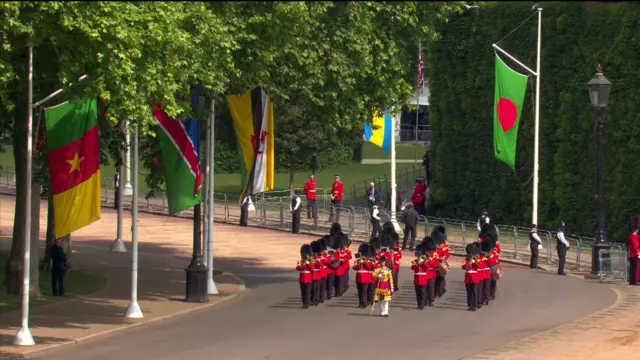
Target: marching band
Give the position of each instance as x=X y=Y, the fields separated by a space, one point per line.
x=324 y=267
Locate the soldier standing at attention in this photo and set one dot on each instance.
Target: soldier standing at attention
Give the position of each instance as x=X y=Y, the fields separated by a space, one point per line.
x=561 y=246
x=535 y=244
x=634 y=254
x=310 y=194
x=305 y=266
x=336 y=199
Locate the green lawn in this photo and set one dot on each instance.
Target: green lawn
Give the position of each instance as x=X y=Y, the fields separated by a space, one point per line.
x=230 y=183
x=76 y=282
x=403 y=152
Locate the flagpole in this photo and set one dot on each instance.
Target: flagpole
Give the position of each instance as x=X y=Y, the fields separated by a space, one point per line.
x=394 y=198
x=118 y=244
x=536 y=146
x=211 y=286
x=24 y=337
x=133 y=310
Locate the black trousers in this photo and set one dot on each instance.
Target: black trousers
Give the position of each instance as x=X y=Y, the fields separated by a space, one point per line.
x=328 y=285
x=363 y=290
x=494 y=288
x=486 y=291
x=315 y=292
x=311 y=209
x=244 y=215
x=395 y=280
x=295 y=222
x=409 y=230
x=116 y=200
x=372 y=290
x=441 y=285
x=334 y=211
x=322 y=289
x=633 y=271
x=476 y=292
x=337 y=286
x=419 y=208
x=376 y=228
x=421 y=295
x=344 y=284
x=57 y=280
x=562 y=258
x=534 y=255
x=471 y=296
x=305 y=293
x=431 y=291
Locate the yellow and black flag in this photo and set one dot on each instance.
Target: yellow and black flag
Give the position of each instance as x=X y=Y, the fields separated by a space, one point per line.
x=252 y=115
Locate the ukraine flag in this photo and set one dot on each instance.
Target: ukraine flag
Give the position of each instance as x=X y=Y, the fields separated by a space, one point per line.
x=382 y=135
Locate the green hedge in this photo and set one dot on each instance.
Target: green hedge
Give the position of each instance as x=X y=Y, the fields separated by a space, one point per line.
x=576 y=37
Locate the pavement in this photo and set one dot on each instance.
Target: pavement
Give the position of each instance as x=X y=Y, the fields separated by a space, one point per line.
x=535 y=310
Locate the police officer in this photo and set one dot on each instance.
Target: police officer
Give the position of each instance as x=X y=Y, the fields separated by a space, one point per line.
x=561 y=246
x=294 y=207
x=482 y=220
x=375 y=221
x=535 y=244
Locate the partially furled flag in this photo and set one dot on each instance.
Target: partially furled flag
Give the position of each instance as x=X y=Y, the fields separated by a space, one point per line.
x=74 y=164
x=420 y=69
x=381 y=136
x=252 y=115
x=180 y=159
x=508 y=99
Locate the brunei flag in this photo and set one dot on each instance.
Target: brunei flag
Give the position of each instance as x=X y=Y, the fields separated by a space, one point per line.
x=252 y=115
x=74 y=163
x=180 y=149
x=381 y=136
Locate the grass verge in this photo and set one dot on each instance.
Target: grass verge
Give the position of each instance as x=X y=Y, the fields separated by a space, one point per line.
x=403 y=152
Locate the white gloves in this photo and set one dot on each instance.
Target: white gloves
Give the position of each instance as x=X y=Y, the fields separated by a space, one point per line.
x=540 y=247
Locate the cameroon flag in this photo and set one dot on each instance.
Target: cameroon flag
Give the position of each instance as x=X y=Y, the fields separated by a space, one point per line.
x=74 y=163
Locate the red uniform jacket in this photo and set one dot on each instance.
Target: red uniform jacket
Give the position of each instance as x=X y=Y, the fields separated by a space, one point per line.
x=339 y=255
x=325 y=267
x=317 y=268
x=445 y=247
x=483 y=269
x=364 y=273
x=420 y=274
x=387 y=255
x=498 y=247
x=374 y=265
x=432 y=266
x=336 y=190
x=632 y=244
x=327 y=262
x=310 y=190
x=346 y=256
x=493 y=258
x=470 y=272
x=397 y=256
x=440 y=252
x=305 y=272
x=418 y=193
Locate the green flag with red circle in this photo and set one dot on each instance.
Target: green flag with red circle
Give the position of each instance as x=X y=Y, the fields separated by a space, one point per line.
x=509 y=97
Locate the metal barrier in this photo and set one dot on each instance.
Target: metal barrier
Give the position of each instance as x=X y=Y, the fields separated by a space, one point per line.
x=613 y=266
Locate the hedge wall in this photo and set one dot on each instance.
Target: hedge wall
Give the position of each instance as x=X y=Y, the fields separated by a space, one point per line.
x=576 y=37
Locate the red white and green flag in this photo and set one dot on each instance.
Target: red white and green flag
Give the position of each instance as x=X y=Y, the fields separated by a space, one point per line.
x=509 y=97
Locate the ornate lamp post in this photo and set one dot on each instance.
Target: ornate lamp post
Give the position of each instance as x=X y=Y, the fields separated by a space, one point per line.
x=599 y=89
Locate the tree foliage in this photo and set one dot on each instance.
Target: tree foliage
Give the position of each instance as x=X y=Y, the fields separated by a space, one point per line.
x=576 y=37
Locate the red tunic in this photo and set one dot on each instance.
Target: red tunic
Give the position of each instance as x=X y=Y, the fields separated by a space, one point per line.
x=325 y=268
x=338 y=256
x=469 y=272
x=445 y=247
x=420 y=274
x=336 y=190
x=483 y=269
x=418 y=193
x=310 y=190
x=305 y=272
x=397 y=256
x=364 y=273
x=497 y=247
x=493 y=258
x=317 y=268
x=632 y=244
x=432 y=265
x=372 y=266
x=346 y=256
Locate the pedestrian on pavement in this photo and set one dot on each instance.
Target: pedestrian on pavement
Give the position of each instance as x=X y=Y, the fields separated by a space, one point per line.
x=294 y=207
x=535 y=244
x=336 y=197
x=372 y=195
x=305 y=267
x=426 y=162
x=410 y=220
x=244 y=211
x=417 y=198
x=58 y=268
x=116 y=187
x=562 y=245
x=375 y=221
x=310 y=194
x=634 y=254
x=482 y=220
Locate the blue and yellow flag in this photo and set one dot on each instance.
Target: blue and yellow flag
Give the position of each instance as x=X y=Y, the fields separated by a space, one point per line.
x=382 y=135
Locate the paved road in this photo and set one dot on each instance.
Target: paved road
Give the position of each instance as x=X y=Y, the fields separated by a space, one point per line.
x=266 y=322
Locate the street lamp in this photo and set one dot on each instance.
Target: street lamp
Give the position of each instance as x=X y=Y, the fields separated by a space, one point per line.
x=599 y=89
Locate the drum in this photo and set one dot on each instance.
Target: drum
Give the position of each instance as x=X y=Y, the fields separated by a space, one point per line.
x=443 y=269
x=496 y=271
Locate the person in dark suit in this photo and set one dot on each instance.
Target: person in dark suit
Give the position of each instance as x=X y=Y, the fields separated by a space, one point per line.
x=372 y=195
x=426 y=162
x=58 y=268
x=116 y=186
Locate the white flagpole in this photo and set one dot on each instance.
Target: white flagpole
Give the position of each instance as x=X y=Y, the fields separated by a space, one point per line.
x=133 y=310
x=211 y=286
x=536 y=147
x=128 y=190
x=394 y=197
x=23 y=337
x=118 y=244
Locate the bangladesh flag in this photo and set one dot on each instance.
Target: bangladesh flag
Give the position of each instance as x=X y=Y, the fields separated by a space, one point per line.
x=180 y=149
x=509 y=96
x=74 y=165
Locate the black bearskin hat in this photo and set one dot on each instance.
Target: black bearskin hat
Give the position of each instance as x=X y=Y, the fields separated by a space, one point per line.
x=469 y=251
x=316 y=247
x=395 y=239
x=438 y=234
x=335 y=228
x=430 y=243
x=336 y=242
x=305 y=251
x=387 y=241
x=363 y=249
x=376 y=243
x=635 y=222
x=477 y=248
x=371 y=251
x=486 y=245
x=488 y=229
x=323 y=244
x=388 y=228
x=422 y=248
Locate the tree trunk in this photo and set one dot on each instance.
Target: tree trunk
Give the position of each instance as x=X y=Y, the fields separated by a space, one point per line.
x=66 y=245
x=34 y=274
x=291 y=174
x=50 y=237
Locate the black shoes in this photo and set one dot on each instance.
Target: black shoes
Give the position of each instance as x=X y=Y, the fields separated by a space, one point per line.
x=305 y=306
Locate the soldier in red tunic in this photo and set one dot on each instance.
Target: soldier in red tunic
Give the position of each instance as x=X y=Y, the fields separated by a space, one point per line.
x=439 y=235
x=310 y=194
x=347 y=255
x=324 y=274
x=305 y=266
x=336 y=198
x=634 y=253
x=420 y=281
x=374 y=248
x=363 y=267
x=317 y=272
x=485 y=273
x=336 y=244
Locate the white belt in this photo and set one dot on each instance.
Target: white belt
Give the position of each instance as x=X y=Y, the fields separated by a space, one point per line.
x=421 y=273
x=362 y=271
x=305 y=272
x=316 y=269
x=471 y=271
